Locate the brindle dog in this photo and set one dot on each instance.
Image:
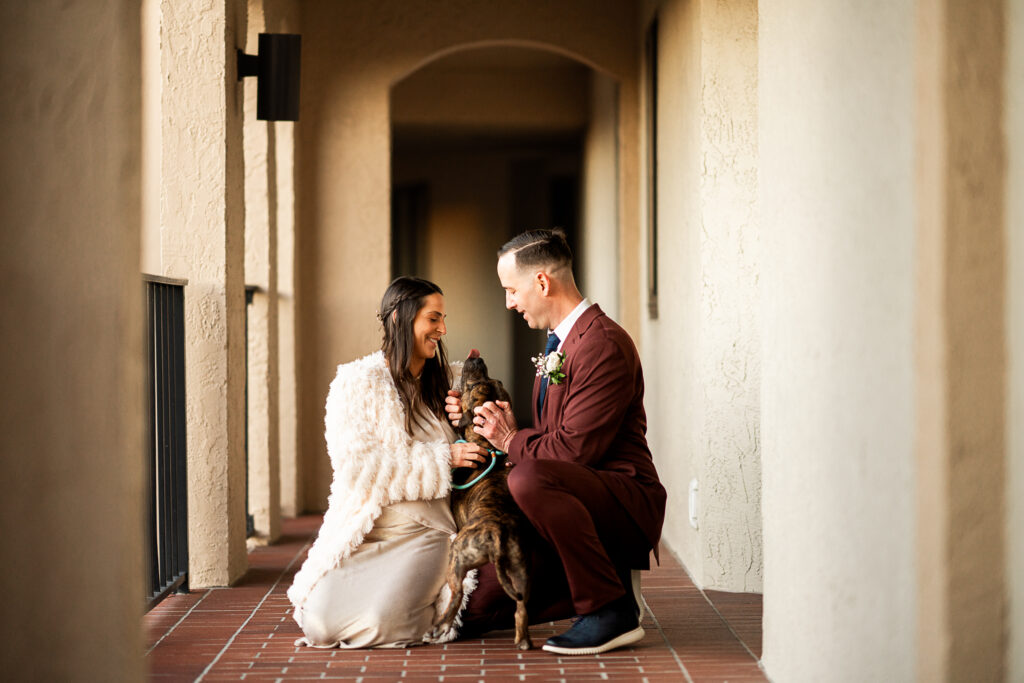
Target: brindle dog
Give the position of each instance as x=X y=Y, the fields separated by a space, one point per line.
x=490 y=523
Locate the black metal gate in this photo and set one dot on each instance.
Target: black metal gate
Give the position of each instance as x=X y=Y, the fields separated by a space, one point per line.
x=166 y=457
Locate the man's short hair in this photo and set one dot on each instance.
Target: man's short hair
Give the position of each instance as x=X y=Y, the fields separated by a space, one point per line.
x=539 y=248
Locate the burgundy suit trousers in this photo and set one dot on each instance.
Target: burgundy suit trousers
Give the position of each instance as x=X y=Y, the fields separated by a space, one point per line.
x=586 y=543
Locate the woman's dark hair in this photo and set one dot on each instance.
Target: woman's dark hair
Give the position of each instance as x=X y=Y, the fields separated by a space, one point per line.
x=402 y=300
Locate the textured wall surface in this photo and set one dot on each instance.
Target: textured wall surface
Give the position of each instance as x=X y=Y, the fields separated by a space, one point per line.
x=729 y=347
x=838 y=223
x=202 y=233
x=71 y=416
x=702 y=355
x=353 y=53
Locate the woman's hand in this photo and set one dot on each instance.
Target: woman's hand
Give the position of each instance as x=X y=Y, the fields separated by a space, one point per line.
x=453 y=406
x=467 y=455
x=495 y=422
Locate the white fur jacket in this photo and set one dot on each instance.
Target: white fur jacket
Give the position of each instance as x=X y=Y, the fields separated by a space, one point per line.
x=375 y=463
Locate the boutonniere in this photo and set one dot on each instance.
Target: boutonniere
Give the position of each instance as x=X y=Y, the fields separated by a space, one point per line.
x=550 y=366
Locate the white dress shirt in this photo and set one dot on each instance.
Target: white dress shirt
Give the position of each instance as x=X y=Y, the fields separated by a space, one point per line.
x=565 y=326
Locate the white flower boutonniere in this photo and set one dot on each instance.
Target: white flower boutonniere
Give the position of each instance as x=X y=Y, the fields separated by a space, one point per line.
x=550 y=366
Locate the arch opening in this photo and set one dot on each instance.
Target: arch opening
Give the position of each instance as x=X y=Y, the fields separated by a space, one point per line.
x=487 y=142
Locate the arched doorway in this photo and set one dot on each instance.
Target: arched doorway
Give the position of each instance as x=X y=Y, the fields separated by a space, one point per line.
x=488 y=142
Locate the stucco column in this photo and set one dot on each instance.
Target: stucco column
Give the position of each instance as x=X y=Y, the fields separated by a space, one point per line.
x=202 y=217
x=270 y=264
x=288 y=435
x=71 y=411
x=261 y=271
x=1014 y=80
x=836 y=146
x=728 y=349
x=961 y=355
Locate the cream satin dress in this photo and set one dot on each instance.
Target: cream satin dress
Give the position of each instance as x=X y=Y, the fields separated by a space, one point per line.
x=383 y=594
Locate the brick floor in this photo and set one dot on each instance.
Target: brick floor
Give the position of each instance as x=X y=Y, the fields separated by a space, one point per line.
x=246 y=633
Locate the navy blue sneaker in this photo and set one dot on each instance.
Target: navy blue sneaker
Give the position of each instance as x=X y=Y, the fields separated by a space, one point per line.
x=614 y=625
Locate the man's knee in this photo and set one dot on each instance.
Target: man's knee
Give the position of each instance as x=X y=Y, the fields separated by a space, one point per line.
x=529 y=481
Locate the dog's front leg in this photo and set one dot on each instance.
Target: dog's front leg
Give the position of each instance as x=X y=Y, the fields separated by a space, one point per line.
x=445 y=619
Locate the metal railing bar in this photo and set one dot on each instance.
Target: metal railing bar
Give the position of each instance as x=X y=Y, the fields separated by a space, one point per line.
x=167 y=448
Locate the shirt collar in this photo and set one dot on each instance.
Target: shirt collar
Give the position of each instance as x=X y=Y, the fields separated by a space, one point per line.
x=565 y=327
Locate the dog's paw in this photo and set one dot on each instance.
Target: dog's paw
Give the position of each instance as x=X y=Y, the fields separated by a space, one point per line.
x=441 y=634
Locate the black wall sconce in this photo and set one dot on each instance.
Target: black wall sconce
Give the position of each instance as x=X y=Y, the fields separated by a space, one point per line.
x=276 y=68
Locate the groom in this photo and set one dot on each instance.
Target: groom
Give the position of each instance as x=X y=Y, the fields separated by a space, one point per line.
x=583 y=475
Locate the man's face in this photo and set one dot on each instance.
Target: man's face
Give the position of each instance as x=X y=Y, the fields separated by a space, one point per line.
x=523 y=292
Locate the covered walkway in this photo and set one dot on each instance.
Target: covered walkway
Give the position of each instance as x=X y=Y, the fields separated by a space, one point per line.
x=246 y=633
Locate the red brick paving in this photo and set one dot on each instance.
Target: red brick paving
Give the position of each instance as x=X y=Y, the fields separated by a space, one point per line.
x=246 y=633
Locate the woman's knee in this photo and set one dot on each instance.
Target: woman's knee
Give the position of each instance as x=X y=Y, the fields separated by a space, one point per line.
x=315 y=629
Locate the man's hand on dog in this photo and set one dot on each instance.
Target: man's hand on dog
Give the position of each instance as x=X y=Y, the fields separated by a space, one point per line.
x=495 y=422
x=467 y=455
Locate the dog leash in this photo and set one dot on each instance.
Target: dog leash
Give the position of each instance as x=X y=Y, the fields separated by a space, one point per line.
x=494 y=459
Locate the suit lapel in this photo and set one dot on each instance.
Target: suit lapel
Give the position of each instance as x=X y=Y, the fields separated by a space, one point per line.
x=553 y=399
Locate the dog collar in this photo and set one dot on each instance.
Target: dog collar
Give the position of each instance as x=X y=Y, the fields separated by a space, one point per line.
x=494 y=459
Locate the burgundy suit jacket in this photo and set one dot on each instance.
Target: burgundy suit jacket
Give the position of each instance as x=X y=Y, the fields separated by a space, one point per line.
x=595 y=417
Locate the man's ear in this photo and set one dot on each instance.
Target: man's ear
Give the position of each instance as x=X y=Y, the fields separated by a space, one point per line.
x=544 y=282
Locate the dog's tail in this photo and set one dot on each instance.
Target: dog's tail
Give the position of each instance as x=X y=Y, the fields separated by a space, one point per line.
x=510 y=555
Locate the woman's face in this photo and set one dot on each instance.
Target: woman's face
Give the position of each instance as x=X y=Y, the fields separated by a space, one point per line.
x=428 y=328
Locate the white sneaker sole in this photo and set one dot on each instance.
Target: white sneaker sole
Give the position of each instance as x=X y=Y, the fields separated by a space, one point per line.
x=627 y=638
x=639 y=596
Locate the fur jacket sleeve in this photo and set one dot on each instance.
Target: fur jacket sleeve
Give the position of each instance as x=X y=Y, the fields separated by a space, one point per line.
x=375 y=463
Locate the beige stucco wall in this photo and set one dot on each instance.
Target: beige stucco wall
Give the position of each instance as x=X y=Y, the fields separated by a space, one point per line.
x=961 y=450
x=473 y=90
x=702 y=354
x=193 y=173
x=671 y=341
x=152 y=134
x=1014 y=118
x=282 y=17
x=352 y=54
x=71 y=415
x=597 y=265
x=836 y=197
x=261 y=231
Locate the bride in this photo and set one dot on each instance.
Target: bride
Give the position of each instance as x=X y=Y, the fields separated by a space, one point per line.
x=375 y=571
